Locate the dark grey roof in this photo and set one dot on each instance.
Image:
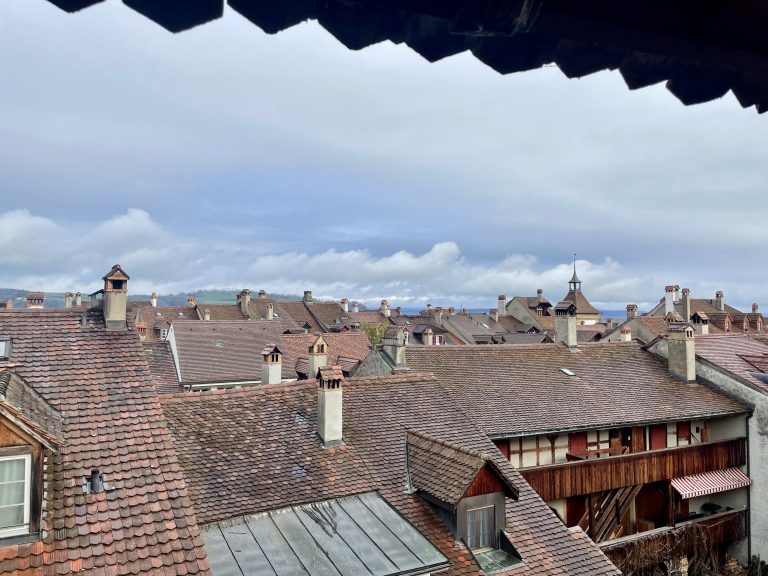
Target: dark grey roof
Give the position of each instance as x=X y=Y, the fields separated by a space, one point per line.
x=350 y=536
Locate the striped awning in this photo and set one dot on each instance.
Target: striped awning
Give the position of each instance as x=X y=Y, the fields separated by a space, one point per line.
x=710 y=483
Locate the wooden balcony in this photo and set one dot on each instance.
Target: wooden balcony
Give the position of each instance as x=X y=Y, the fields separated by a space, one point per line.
x=693 y=538
x=590 y=476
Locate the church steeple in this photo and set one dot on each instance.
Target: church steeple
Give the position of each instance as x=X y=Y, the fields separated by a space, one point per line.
x=575 y=283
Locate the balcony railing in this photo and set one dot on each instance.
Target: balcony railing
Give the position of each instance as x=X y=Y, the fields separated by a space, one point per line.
x=599 y=475
x=692 y=538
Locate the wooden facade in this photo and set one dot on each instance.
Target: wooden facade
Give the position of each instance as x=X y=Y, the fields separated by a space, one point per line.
x=694 y=539
x=486 y=482
x=590 y=476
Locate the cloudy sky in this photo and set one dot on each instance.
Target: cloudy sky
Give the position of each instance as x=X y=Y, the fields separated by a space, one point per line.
x=225 y=157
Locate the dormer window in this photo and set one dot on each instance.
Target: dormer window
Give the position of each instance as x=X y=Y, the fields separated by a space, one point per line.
x=481 y=528
x=15 y=479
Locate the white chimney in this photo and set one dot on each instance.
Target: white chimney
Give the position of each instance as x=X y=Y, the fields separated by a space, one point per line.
x=438 y=316
x=68 y=297
x=631 y=311
x=625 y=335
x=207 y=314
x=191 y=302
x=271 y=365
x=755 y=308
x=355 y=307
x=686 y=304
x=115 y=298
x=394 y=344
x=384 y=309
x=681 y=352
x=502 y=305
x=318 y=356
x=270 y=311
x=720 y=300
x=565 y=324
x=245 y=300
x=262 y=294
x=344 y=304
x=78 y=299
x=494 y=314
x=330 y=406
x=669 y=299
x=427 y=337
x=153 y=300
x=308 y=296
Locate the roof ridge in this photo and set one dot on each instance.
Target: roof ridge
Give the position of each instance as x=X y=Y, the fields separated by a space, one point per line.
x=458 y=447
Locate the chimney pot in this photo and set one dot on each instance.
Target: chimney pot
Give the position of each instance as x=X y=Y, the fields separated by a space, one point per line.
x=308 y=296
x=720 y=300
x=271 y=365
x=78 y=299
x=355 y=307
x=686 y=304
x=191 y=302
x=344 y=304
x=384 y=309
x=330 y=405
x=669 y=299
x=754 y=308
x=502 y=305
x=631 y=311
x=244 y=298
x=262 y=294
x=68 y=298
x=207 y=314
x=153 y=300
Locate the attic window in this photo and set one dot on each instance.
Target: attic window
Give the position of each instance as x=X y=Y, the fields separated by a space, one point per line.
x=5 y=348
x=567 y=371
x=15 y=485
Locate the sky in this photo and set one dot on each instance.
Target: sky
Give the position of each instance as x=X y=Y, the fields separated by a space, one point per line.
x=224 y=157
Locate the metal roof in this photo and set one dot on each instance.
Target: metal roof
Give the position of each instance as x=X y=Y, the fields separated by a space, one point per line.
x=353 y=536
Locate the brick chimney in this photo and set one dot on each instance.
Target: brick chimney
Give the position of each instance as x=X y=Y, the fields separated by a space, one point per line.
x=355 y=307
x=244 y=298
x=262 y=294
x=494 y=314
x=680 y=351
x=318 y=356
x=68 y=298
x=191 y=302
x=207 y=314
x=384 y=309
x=308 y=296
x=625 y=334
x=329 y=405
x=565 y=324
x=669 y=299
x=394 y=344
x=686 y=304
x=153 y=300
x=344 y=304
x=78 y=299
x=631 y=311
x=271 y=365
x=502 y=305
x=270 y=311
x=720 y=300
x=115 y=298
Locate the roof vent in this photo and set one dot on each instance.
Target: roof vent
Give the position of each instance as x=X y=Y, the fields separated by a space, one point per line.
x=567 y=371
x=94 y=482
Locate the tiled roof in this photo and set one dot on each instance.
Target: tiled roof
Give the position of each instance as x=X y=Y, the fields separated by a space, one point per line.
x=100 y=383
x=223 y=311
x=241 y=448
x=225 y=351
x=445 y=470
x=347 y=348
x=318 y=315
x=518 y=390
x=157 y=317
x=582 y=304
x=737 y=354
x=20 y=402
x=162 y=367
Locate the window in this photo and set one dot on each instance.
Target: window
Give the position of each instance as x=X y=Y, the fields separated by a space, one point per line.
x=480 y=532
x=5 y=349
x=15 y=473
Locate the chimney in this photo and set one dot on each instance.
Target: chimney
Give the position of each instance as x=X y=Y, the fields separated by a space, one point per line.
x=270 y=311
x=191 y=302
x=244 y=298
x=720 y=301
x=438 y=316
x=625 y=335
x=451 y=311
x=344 y=304
x=676 y=293
x=308 y=296
x=609 y=325
x=686 y=304
x=262 y=294
x=34 y=300
x=754 y=309
x=502 y=305
x=631 y=311
x=207 y=314
x=680 y=351
x=394 y=345
x=78 y=299
x=115 y=298
x=384 y=309
x=565 y=324
x=669 y=299
x=329 y=405
x=427 y=337
x=153 y=300
x=271 y=365
x=540 y=295
x=94 y=482
x=318 y=356
x=494 y=314
x=355 y=307
x=68 y=298
x=399 y=311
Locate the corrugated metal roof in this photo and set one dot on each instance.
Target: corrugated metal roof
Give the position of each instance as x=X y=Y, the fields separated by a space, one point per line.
x=710 y=482
x=356 y=535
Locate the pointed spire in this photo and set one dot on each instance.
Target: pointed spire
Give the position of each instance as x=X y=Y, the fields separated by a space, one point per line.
x=575 y=283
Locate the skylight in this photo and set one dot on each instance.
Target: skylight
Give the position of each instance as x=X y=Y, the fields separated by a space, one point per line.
x=5 y=346
x=567 y=371
x=219 y=344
